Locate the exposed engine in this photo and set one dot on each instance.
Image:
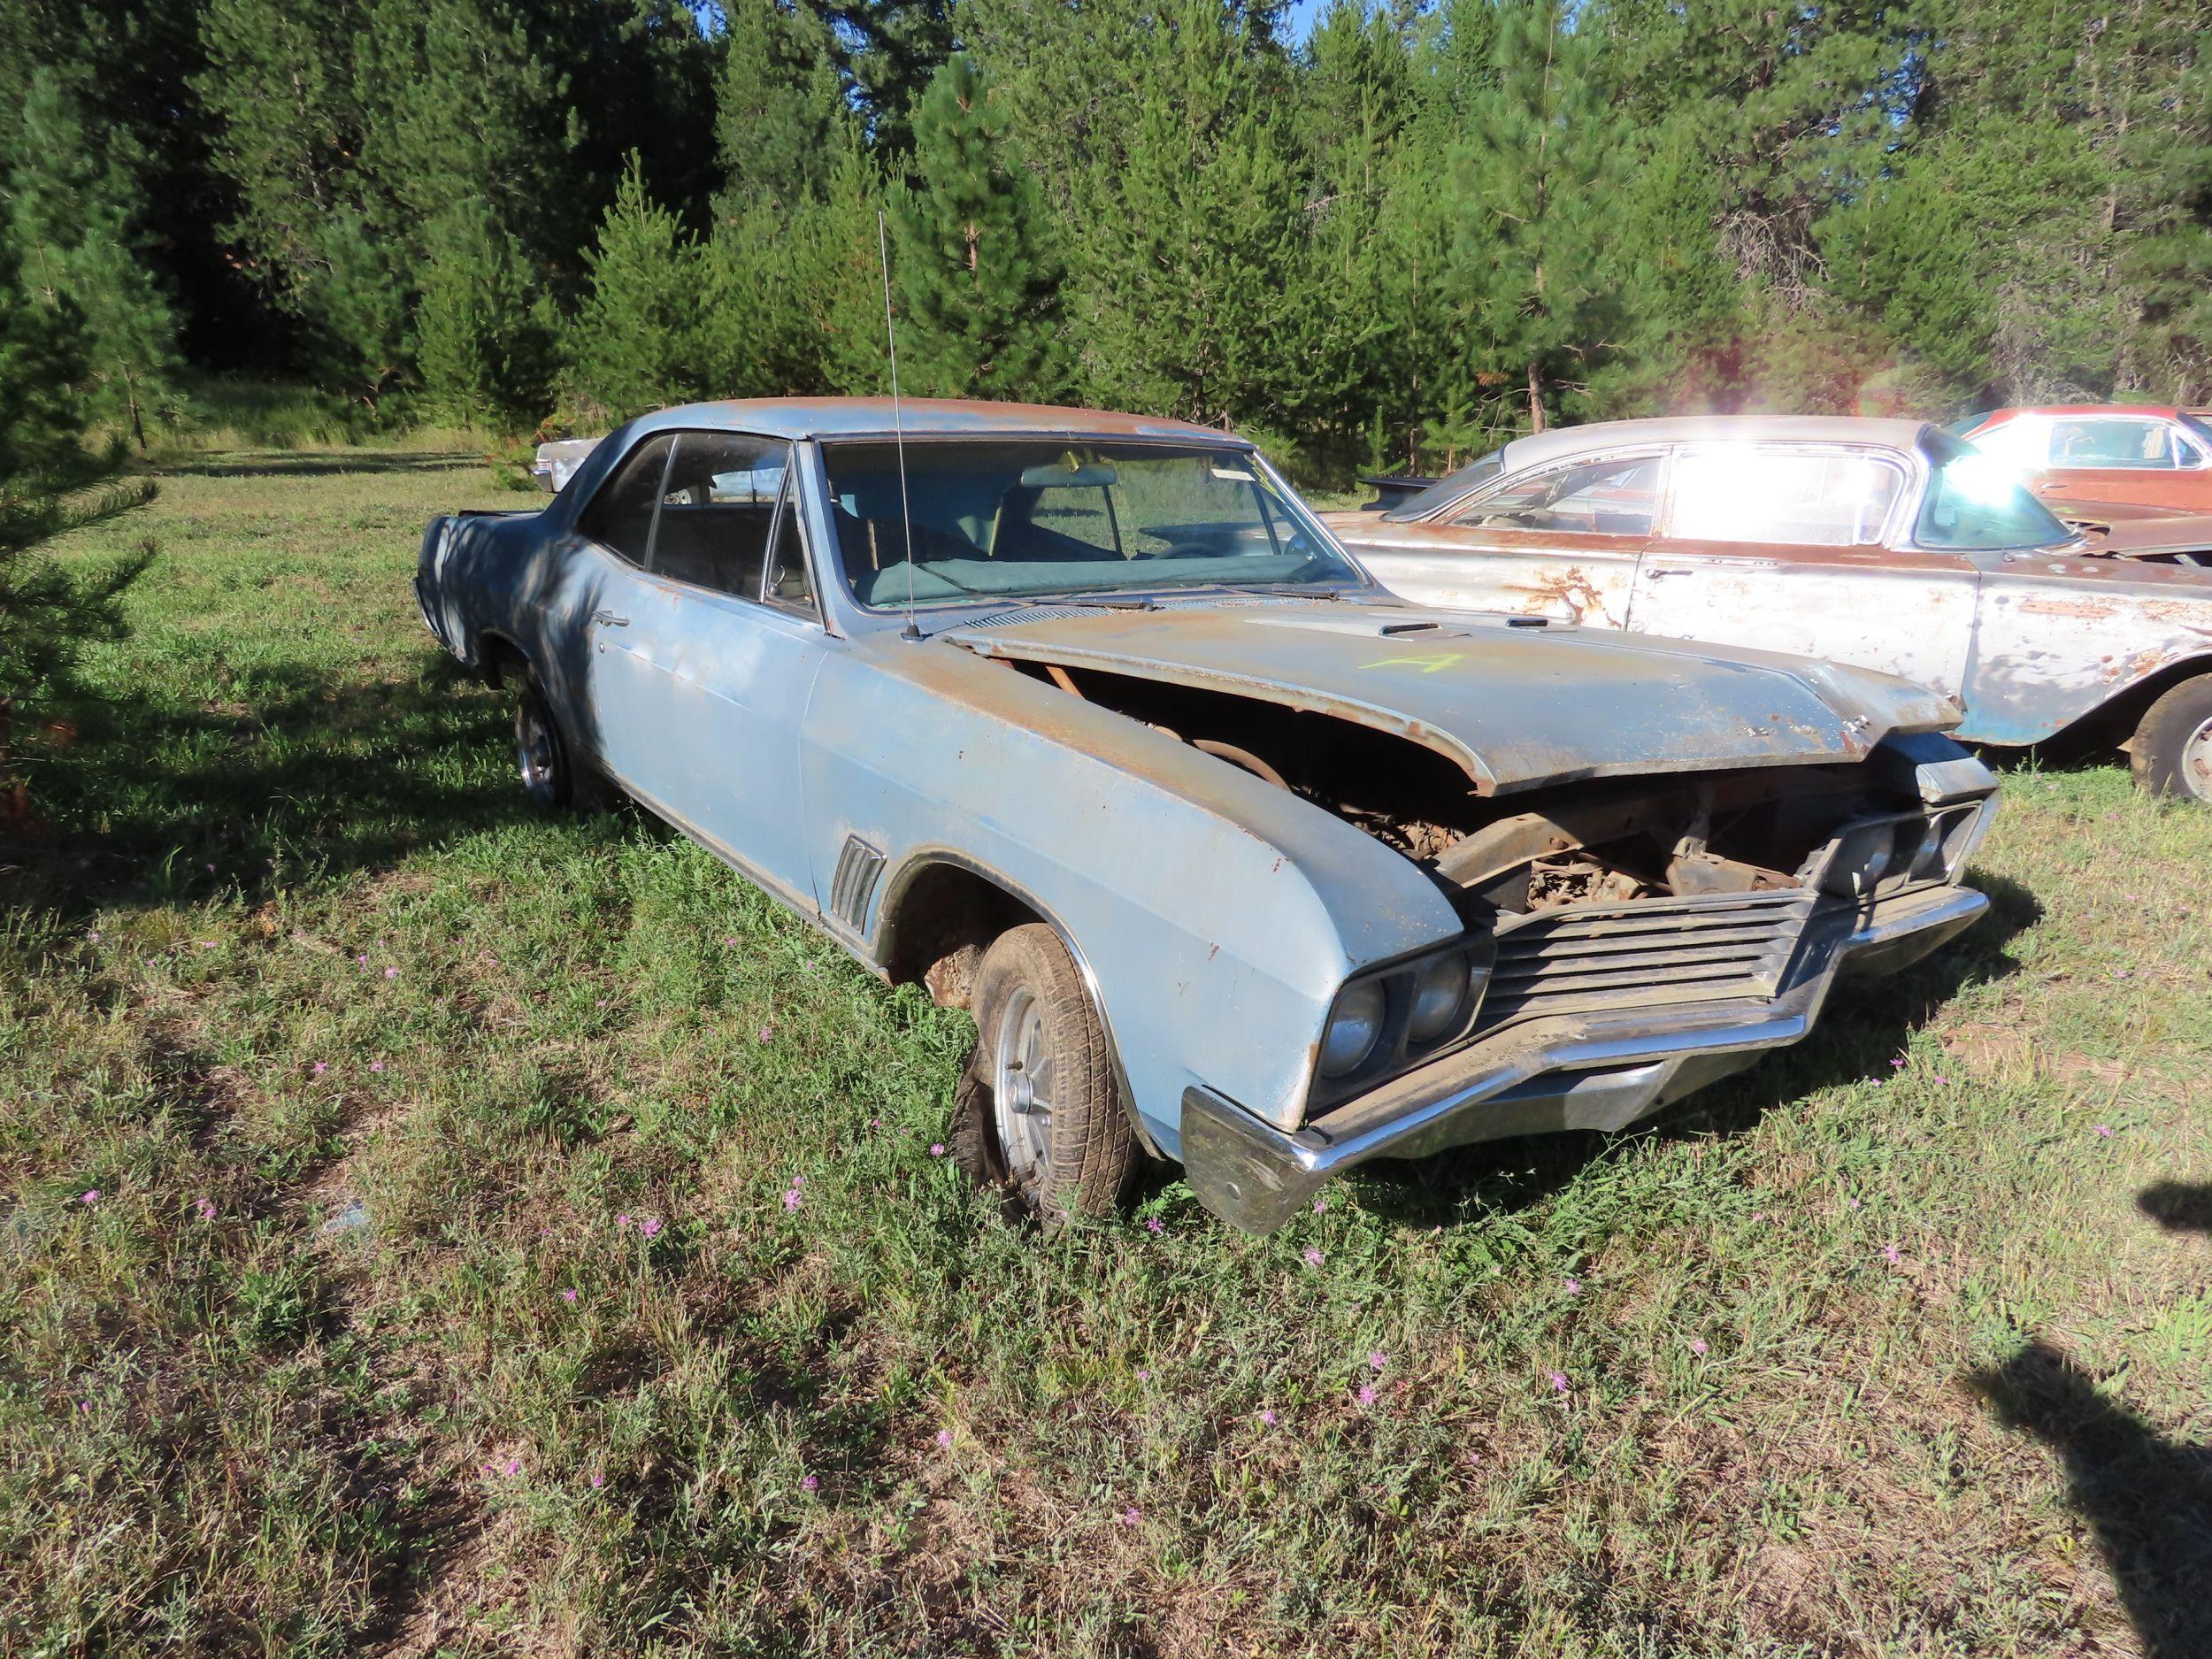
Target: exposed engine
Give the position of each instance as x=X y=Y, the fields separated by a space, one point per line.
x=1595 y=842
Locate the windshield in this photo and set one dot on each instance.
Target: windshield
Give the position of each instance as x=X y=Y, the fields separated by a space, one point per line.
x=1976 y=503
x=1030 y=517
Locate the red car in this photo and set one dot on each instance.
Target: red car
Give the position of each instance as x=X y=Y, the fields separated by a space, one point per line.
x=2078 y=455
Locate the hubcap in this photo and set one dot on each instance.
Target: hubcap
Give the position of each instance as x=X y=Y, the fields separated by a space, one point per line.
x=1021 y=1088
x=2196 y=763
x=536 y=754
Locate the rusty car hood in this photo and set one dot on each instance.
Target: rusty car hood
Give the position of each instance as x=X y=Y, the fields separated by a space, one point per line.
x=2121 y=530
x=1515 y=706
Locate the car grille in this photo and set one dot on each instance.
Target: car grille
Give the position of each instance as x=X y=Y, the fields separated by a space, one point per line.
x=1654 y=953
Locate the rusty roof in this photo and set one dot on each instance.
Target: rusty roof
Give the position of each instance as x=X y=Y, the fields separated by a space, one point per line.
x=921 y=418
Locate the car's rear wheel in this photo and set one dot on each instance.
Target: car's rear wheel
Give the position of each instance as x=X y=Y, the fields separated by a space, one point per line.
x=1038 y=1117
x=2172 y=752
x=552 y=775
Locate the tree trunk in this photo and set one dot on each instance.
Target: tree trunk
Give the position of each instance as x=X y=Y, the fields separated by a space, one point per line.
x=1535 y=400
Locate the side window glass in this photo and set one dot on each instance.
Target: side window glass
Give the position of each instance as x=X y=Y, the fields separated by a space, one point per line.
x=1735 y=494
x=620 y=516
x=717 y=508
x=2104 y=443
x=788 y=582
x=1619 y=496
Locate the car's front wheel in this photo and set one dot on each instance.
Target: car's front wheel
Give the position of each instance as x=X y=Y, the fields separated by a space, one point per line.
x=552 y=775
x=1039 y=1115
x=2172 y=752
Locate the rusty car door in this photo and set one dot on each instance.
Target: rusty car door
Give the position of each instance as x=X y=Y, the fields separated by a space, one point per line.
x=1562 y=541
x=1780 y=548
x=2144 y=460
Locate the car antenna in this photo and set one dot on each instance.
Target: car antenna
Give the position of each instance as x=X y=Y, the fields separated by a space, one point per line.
x=898 y=423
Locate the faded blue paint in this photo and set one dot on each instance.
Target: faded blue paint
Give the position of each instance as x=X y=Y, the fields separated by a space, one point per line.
x=1217 y=916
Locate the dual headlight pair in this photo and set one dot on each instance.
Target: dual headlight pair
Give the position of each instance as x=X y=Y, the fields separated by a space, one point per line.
x=1385 y=1019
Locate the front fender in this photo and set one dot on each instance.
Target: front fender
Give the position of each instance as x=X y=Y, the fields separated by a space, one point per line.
x=1217 y=914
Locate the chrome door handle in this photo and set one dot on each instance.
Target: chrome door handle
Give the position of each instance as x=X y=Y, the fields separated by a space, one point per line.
x=609 y=619
x=1671 y=569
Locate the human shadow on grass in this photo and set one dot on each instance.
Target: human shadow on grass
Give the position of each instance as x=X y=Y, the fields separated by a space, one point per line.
x=1864 y=1025
x=2148 y=1499
x=303 y=778
x=2178 y=1206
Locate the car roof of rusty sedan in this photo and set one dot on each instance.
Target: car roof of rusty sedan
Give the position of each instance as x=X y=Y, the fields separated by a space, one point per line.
x=1605 y=435
x=921 y=418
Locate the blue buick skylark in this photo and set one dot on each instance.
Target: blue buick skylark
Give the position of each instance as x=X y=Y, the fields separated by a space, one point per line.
x=1085 y=723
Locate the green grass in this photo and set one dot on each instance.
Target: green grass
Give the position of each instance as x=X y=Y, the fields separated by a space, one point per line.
x=367 y=1065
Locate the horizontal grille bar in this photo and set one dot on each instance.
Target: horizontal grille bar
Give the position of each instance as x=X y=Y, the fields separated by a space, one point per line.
x=1651 y=953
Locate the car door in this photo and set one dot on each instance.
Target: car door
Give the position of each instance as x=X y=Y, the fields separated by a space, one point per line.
x=732 y=638
x=1561 y=541
x=2144 y=459
x=594 y=660
x=1780 y=548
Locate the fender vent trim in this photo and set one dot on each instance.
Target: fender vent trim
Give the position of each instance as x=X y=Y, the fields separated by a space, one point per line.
x=859 y=866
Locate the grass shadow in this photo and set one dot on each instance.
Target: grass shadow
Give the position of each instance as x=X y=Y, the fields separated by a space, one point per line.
x=2147 y=1499
x=284 y=464
x=1865 y=1024
x=306 y=777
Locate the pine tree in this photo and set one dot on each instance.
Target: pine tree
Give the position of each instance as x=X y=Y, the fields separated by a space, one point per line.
x=644 y=335
x=73 y=213
x=484 y=327
x=981 y=292
x=779 y=109
x=47 y=613
x=1193 y=261
x=1541 y=174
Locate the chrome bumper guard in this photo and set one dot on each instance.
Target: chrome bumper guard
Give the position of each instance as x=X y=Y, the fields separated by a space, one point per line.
x=1599 y=1070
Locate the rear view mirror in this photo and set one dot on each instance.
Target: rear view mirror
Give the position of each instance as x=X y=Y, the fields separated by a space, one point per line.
x=1060 y=476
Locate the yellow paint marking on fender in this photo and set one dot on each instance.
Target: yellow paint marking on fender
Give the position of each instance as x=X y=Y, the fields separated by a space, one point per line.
x=1427 y=664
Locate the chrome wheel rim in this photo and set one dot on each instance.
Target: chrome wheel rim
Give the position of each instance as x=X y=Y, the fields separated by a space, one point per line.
x=2196 y=763
x=537 y=755
x=1021 y=1088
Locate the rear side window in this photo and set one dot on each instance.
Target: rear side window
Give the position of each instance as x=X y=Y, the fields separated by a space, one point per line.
x=717 y=507
x=2130 y=442
x=620 y=516
x=1740 y=492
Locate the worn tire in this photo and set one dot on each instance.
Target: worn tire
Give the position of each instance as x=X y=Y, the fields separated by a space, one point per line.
x=553 y=776
x=1029 y=997
x=2172 y=752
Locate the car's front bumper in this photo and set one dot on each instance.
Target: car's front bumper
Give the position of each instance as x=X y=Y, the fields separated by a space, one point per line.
x=1582 y=1071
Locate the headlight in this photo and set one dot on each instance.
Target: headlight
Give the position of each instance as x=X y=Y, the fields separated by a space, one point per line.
x=1355 y=1025
x=1439 y=992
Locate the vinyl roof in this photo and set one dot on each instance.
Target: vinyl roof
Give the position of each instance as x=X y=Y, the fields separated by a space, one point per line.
x=1565 y=442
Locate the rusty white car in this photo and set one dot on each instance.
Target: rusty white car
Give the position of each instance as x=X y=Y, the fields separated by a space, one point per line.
x=1884 y=543
x=1083 y=721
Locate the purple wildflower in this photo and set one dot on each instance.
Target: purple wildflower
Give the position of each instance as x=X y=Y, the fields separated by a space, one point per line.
x=649 y=1227
x=91 y=1196
x=1366 y=1394
x=937 y=1149
x=1891 y=1254
x=791 y=1199
x=1267 y=1417
x=944 y=1439
x=391 y=974
x=1559 y=1382
x=568 y=1295
x=1698 y=1347
x=597 y=1480
x=1153 y=1224
x=1573 y=1285
x=1313 y=1257
x=809 y=1484
x=1320 y=1205
x=1377 y=1360
x=2104 y=1132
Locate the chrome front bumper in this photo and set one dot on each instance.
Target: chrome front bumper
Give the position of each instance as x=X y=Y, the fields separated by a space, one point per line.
x=1582 y=1071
